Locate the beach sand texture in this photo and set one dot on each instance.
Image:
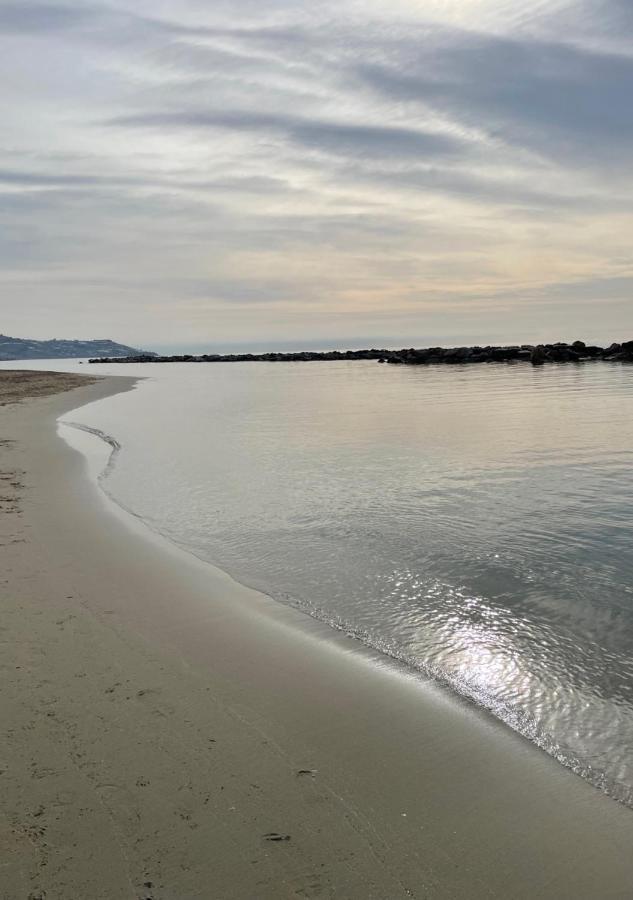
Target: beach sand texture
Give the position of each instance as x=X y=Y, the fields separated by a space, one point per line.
x=169 y=734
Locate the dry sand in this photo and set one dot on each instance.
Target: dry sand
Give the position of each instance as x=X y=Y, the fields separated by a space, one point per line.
x=171 y=735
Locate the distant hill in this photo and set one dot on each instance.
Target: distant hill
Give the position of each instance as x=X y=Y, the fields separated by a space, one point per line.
x=23 y=348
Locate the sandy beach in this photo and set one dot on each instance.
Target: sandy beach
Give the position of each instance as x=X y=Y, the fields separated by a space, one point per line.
x=171 y=735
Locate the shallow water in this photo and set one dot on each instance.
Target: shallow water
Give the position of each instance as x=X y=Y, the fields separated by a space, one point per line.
x=475 y=522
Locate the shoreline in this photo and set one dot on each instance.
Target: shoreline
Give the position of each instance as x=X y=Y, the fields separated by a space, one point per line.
x=317 y=622
x=171 y=723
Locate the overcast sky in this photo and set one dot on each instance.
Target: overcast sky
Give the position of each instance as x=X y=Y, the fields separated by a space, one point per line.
x=183 y=171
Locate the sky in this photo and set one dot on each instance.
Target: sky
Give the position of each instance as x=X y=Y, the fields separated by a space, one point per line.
x=181 y=172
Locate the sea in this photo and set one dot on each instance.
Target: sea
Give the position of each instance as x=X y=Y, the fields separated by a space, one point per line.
x=474 y=522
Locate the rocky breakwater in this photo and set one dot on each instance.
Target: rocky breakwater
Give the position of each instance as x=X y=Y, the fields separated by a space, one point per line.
x=536 y=354
x=299 y=356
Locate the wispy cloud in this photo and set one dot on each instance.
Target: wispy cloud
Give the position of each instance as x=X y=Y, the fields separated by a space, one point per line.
x=338 y=138
x=562 y=102
x=40 y=18
x=243 y=170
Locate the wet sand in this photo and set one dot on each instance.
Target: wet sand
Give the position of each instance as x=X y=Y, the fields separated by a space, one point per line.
x=169 y=734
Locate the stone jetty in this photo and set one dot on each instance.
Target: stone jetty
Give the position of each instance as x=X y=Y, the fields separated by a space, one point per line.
x=536 y=354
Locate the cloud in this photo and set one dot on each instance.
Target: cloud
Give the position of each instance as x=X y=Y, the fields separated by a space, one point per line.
x=243 y=167
x=32 y=179
x=558 y=101
x=27 y=17
x=327 y=136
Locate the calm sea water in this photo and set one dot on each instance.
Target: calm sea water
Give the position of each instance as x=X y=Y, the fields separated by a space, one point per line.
x=474 y=522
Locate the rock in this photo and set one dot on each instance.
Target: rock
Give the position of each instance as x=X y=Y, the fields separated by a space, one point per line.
x=627 y=351
x=559 y=353
x=537 y=356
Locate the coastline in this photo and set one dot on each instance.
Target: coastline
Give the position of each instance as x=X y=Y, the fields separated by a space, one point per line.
x=161 y=714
